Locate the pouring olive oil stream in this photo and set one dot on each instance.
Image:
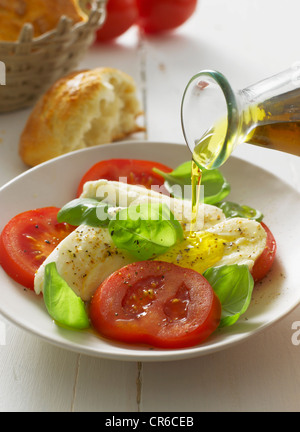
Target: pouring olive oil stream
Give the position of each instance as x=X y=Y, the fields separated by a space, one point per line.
x=215 y=119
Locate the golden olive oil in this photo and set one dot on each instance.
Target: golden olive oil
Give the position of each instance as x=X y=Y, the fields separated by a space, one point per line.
x=279 y=129
x=211 y=144
x=196 y=183
x=278 y=136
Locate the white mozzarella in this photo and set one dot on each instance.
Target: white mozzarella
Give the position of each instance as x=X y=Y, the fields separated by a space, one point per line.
x=245 y=241
x=84 y=259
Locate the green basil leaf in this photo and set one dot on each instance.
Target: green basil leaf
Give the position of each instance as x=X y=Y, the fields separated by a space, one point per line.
x=63 y=305
x=232 y=210
x=183 y=171
x=85 y=211
x=233 y=285
x=216 y=188
x=145 y=230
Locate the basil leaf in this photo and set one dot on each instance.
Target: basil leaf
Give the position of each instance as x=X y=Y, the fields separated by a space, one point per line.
x=216 y=188
x=233 y=285
x=183 y=171
x=232 y=210
x=85 y=211
x=176 y=180
x=63 y=305
x=145 y=230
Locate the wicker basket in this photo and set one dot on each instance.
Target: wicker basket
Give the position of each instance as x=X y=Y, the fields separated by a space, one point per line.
x=34 y=64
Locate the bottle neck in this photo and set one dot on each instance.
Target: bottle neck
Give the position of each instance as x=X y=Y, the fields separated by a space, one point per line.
x=269 y=112
x=273 y=100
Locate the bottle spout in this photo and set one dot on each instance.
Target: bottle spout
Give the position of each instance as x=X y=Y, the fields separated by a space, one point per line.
x=210 y=118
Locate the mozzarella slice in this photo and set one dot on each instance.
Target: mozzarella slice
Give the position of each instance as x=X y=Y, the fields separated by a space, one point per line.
x=118 y=194
x=244 y=241
x=84 y=259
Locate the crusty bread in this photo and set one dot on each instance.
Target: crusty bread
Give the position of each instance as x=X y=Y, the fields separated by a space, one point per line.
x=44 y=15
x=83 y=109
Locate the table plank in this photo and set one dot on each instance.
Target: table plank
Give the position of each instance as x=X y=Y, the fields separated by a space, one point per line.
x=35 y=376
x=106 y=386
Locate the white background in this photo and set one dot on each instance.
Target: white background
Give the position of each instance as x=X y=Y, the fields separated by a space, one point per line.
x=247 y=40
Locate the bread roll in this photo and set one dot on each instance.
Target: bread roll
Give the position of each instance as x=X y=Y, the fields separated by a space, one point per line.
x=44 y=15
x=83 y=109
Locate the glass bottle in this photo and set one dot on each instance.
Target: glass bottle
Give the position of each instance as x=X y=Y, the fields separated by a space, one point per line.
x=215 y=118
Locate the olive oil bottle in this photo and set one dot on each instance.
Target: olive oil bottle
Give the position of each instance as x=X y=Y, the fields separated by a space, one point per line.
x=215 y=119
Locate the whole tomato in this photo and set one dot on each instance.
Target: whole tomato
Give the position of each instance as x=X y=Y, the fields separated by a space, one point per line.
x=157 y=16
x=121 y=15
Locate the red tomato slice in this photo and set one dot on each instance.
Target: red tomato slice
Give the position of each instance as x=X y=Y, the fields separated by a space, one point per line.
x=156 y=303
x=264 y=263
x=121 y=15
x=27 y=240
x=157 y=16
x=137 y=172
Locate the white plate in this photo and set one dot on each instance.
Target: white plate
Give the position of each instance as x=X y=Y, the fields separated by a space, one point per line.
x=55 y=182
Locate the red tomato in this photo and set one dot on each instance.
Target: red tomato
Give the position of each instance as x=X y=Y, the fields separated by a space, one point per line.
x=161 y=15
x=137 y=172
x=121 y=15
x=264 y=263
x=27 y=240
x=156 y=303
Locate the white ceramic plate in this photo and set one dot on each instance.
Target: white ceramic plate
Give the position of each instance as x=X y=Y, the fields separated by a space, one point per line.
x=55 y=182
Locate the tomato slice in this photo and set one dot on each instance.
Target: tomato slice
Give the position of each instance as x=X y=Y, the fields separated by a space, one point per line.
x=27 y=240
x=156 y=303
x=264 y=263
x=136 y=172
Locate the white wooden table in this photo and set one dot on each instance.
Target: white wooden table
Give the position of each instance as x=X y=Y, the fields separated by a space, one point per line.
x=246 y=40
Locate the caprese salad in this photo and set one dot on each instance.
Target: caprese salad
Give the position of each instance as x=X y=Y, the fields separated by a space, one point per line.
x=120 y=257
